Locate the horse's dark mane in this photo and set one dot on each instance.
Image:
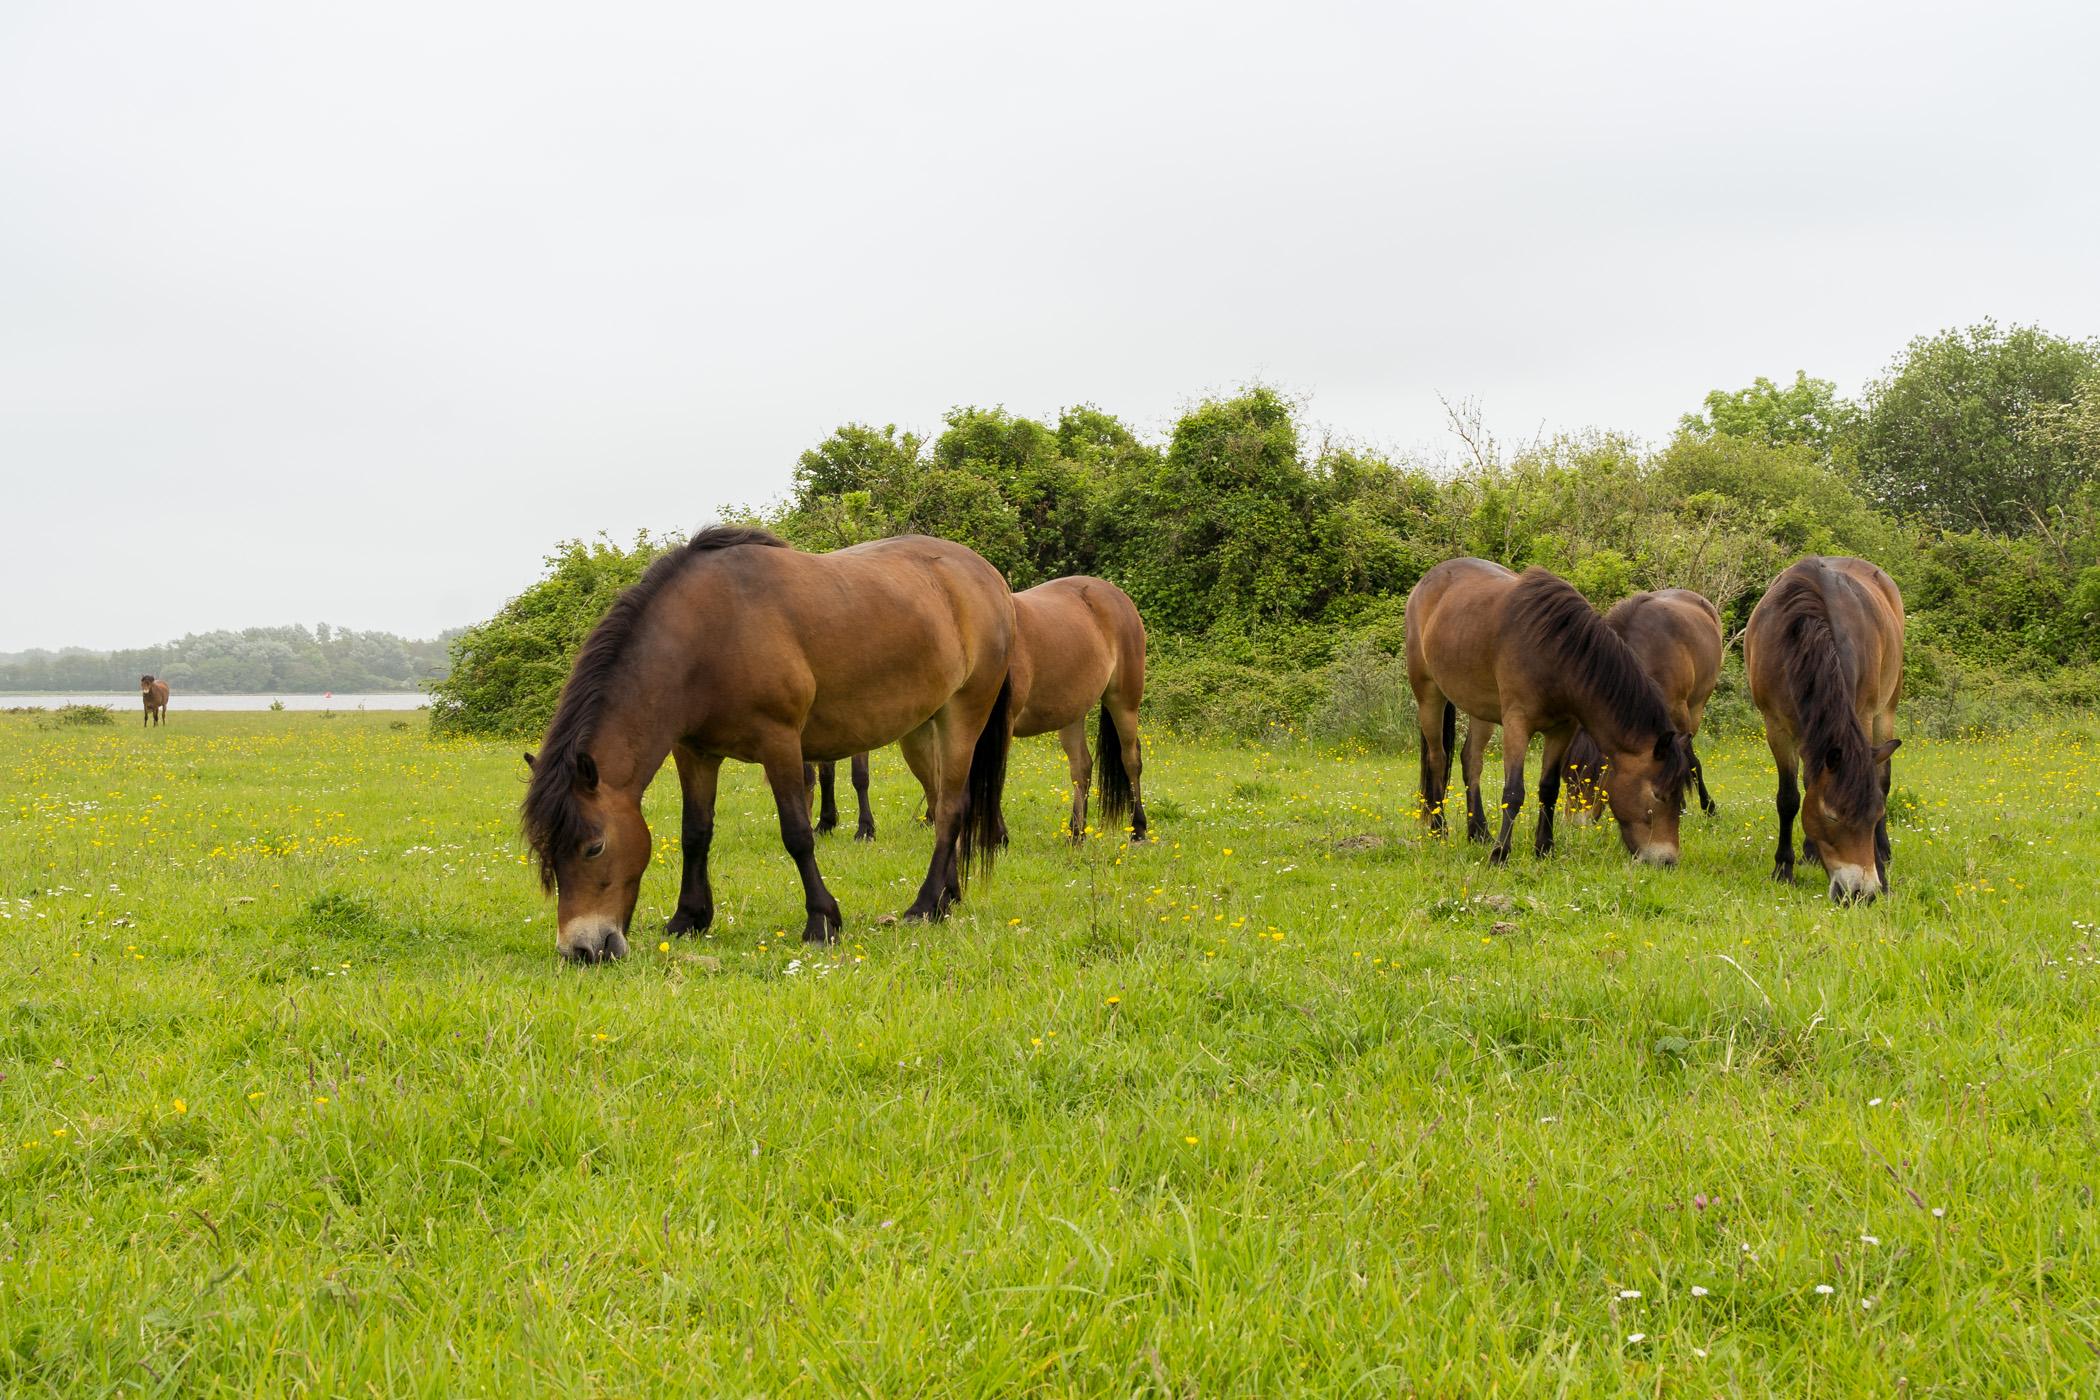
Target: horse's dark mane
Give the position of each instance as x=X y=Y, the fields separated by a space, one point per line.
x=553 y=821
x=1549 y=616
x=1819 y=678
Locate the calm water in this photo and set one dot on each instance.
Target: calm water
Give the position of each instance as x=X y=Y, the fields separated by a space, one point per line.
x=129 y=700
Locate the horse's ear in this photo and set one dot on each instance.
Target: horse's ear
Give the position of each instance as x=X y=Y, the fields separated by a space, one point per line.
x=530 y=764
x=587 y=772
x=1883 y=750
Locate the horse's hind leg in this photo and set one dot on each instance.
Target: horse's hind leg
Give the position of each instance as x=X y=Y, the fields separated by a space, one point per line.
x=828 y=785
x=943 y=885
x=697 y=774
x=1552 y=761
x=1430 y=709
x=1080 y=764
x=1706 y=799
x=1478 y=732
x=783 y=765
x=864 y=830
x=1132 y=752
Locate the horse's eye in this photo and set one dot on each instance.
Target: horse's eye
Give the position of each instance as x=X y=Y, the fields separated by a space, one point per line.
x=594 y=850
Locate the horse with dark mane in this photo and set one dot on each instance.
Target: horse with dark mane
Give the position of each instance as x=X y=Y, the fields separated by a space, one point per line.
x=1528 y=652
x=1676 y=634
x=1824 y=653
x=738 y=646
x=1078 y=641
x=155 y=695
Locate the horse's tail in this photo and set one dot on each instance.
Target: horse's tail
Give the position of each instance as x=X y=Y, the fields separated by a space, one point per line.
x=986 y=790
x=1114 y=778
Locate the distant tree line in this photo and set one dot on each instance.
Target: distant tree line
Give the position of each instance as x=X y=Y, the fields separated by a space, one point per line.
x=290 y=659
x=1272 y=570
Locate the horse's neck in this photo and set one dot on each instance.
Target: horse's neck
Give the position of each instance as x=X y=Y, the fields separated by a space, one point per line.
x=631 y=744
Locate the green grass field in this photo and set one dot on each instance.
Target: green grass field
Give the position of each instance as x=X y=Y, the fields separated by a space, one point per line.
x=297 y=1099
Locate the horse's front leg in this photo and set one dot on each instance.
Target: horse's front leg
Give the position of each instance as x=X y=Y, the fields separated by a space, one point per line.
x=1552 y=760
x=1516 y=736
x=697 y=775
x=1789 y=803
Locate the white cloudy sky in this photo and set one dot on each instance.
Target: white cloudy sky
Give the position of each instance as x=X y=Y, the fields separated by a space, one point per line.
x=347 y=311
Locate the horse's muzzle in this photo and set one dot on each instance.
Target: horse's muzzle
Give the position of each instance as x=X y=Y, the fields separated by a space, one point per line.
x=1664 y=856
x=590 y=942
x=1854 y=884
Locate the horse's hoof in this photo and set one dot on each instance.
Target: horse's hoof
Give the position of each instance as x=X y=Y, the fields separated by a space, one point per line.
x=866 y=833
x=684 y=922
x=1784 y=874
x=1498 y=856
x=820 y=930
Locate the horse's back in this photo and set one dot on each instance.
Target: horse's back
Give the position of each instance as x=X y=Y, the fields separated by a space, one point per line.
x=1074 y=639
x=1676 y=633
x=864 y=644
x=1864 y=610
x=1452 y=627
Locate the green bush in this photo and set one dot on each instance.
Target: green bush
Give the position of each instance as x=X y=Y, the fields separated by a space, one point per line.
x=1272 y=572
x=84 y=714
x=507 y=673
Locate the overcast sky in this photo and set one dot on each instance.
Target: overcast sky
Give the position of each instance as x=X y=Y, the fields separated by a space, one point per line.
x=349 y=311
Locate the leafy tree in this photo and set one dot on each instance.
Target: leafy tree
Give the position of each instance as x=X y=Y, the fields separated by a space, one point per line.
x=1808 y=412
x=854 y=458
x=1956 y=433
x=507 y=673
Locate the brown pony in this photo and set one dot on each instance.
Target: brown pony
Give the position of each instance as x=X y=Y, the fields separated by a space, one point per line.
x=1824 y=652
x=737 y=646
x=1077 y=641
x=1529 y=653
x=155 y=694
x=1676 y=634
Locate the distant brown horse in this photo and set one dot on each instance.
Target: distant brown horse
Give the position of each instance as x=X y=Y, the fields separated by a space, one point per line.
x=1824 y=652
x=155 y=694
x=1077 y=641
x=737 y=646
x=1529 y=653
x=1676 y=634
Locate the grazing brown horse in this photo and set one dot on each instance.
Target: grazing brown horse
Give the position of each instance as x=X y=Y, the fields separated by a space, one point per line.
x=1824 y=652
x=1676 y=634
x=1528 y=652
x=1077 y=641
x=155 y=694
x=737 y=646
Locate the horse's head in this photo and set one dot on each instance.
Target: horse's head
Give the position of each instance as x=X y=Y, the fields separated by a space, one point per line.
x=145 y=682
x=1841 y=810
x=593 y=847
x=1645 y=787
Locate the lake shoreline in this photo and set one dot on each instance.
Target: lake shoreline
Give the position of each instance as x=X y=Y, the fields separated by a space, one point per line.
x=244 y=703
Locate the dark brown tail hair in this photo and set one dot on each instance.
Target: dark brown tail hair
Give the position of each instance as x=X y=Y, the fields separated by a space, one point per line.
x=1112 y=778
x=979 y=845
